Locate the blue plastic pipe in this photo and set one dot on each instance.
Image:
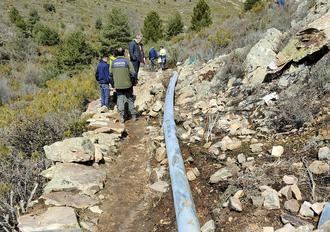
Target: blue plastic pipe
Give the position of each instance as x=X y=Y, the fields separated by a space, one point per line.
x=185 y=211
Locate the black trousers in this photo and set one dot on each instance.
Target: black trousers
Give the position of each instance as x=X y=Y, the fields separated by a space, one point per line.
x=136 y=65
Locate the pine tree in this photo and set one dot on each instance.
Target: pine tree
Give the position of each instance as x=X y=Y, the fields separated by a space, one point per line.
x=74 y=52
x=174 y=26
x=201 y=16
x=116 y=33
x=152 y=27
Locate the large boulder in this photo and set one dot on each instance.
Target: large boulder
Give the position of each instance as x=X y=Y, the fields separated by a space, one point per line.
x=68 y=176
x=71 y=150
x=260 y=56
x=59 y=219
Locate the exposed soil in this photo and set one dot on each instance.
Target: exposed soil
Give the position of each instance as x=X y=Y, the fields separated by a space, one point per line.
x=126 y=189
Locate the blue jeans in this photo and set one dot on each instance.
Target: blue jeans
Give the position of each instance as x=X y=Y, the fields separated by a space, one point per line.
x=105 y=94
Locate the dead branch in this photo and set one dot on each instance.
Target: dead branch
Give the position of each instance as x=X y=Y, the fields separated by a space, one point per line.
x=310 y=175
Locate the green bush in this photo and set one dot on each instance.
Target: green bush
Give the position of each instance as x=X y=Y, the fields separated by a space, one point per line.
x=98 y=24
x=222 y=38
x=116 y=33
x=49 y=7
x=74 y=52
x=174 y=26
x=34 y=17
x=249 y=4
x=16 y=18
x=152 y=27
x=201 y=16
x=45 y=35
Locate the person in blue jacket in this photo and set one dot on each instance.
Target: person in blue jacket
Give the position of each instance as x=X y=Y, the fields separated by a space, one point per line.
x=102 y=76
x=153 y=58
x=280 y=2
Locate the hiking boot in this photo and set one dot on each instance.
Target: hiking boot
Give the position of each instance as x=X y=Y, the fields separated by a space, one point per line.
x=134 y=117
x=122 y=119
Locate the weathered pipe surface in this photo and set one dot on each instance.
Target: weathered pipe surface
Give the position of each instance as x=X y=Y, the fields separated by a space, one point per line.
x=185 y=211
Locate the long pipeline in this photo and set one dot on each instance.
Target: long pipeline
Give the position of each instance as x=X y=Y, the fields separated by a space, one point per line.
x=185 y=211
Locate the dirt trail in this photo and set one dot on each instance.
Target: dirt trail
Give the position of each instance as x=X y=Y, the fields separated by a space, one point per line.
x=126 y=190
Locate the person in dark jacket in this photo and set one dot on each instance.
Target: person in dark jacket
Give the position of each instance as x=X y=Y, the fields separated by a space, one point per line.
x=153 y=58
x=123 y=78
x=102 y=76
x=135 y=53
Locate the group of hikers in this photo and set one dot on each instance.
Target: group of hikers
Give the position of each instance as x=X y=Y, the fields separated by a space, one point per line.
x=121 y=73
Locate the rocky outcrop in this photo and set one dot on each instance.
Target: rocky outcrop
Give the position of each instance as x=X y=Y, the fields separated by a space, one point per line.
x=260 y=56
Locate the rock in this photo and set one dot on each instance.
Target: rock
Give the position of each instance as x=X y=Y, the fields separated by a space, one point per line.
x=241 y=158
x=71 y=150
x=270 y=98
x=208 y=226
x=260 y=56
x=257 y=201
x=230 y=144
x=256 y=148
x=292 y=205
x=88 y=226
x=103 y=138
x=239 y=194
x=319 y=167
x=296 y=192
x=290 y=179
x=286 y=192
x=101 y=151
x=214 y=150
x=286 y=228
x=304 y=229
x=325 y=227
x=96 y=209
x=294 y=220
x=220 y=175
x=111 y=128
x=268 y=229
x=160 y=186
x=272 y=201
x=324 y=153
x=59 y=219
x=191 y=175
x=196 y=172
x=318 y=207
x=235 y=204
x=69 y=199
x=153 y=114
x=277 y=151
x=160 y=154
x=157 y=106
x=67 y=176
x=306 y=209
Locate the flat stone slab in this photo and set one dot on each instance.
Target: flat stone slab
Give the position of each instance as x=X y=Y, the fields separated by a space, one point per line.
x=103 y=138
x=69 y=176
x=69 y=199
x=78 y=149
x=106 y=123
x=59 y=219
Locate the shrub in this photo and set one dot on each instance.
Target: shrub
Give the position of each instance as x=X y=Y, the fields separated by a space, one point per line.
x=17 y=19
x=152 y=27
x=5 y=91
x=34 y=17
x=249 y=4
x=116 y=33
x=49 y=7
x=320 y=75
x=201 y=16
x=98 y=24
x=74 y=52
x=222 y=38
x=45 y=35
x=20 y=183
x=174 y=26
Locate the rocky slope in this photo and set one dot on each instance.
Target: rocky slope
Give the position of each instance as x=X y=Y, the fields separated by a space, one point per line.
x=256 y=147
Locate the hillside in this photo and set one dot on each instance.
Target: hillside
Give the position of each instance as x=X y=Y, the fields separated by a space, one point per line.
x=251 y=110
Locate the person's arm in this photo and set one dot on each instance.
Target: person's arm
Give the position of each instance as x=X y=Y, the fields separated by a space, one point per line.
x=132 y=74
x=131 y=50
x=97 y=73
x=112 y=83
